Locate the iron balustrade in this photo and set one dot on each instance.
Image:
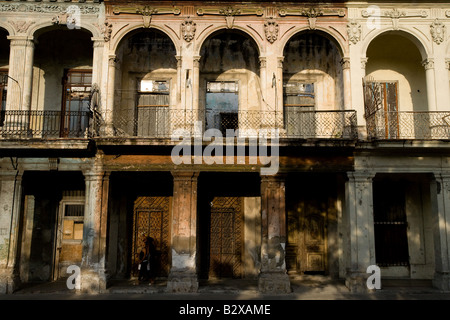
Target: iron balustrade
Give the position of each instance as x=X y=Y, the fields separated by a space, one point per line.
x=418 y=125
x=161 y=122
x=45 y=124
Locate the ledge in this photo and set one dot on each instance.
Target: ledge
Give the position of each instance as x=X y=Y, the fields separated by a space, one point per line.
x=43 y=144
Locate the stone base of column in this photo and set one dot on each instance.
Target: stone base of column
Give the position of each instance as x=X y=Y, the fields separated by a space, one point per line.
x=274 y=283
x=182 y=282
x=93 y=282
x=357 y=282
x=9 y=282
x=441 y=281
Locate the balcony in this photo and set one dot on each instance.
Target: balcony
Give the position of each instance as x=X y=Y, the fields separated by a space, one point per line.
x=161 y=122
x=44 y=124
x=404 y=125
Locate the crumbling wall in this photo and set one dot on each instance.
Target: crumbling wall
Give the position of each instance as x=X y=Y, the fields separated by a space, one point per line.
x=231 y=56
x=145 y=54
x=55 y=52
x=313 y=58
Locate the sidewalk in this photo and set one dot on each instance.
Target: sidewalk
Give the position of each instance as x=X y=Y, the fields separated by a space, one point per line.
x=303 y=288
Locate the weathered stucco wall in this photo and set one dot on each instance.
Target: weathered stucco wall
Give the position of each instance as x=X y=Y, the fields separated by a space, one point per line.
x=55 y=52
x=395 y=58
x=143 y=55
x=312 y=58
x=231 y=56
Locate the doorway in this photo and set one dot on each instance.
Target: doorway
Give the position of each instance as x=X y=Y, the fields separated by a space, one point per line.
x=152 y=218
x=226 y=238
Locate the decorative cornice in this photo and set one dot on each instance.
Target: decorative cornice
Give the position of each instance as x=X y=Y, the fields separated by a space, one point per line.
x=395 y=14
x=146 y=12
x=230 y=12
x=311 y=13
x=48 y=8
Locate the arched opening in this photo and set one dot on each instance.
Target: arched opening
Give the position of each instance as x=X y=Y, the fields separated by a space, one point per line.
x=229 y=82
x=62 y=80
x=312 y=83
x=146 y=86
x=4 y=64
x=396 y=102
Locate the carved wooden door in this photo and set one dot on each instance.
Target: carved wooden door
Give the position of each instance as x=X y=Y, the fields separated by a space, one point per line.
x=312 y=246
x=151 y=218
x=226 y=243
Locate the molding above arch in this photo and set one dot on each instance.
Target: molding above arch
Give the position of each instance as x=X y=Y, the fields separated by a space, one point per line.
x=331 y=33
x=414 y=37
x=249 y=32
x=129 y=28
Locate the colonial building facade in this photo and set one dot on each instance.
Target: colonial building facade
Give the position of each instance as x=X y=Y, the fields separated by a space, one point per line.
x=336 y=118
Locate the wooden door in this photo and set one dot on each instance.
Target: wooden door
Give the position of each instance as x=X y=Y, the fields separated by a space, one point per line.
x=152 y=218
x=69 y=236
x=226 y=237
x=312 y=242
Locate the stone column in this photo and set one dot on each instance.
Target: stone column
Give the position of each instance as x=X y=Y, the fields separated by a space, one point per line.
x=10 y=200
x=97 y=60
x=359 y=230
x=93 y=273
x=279 y=94
x=107 y=113
x=180 y=82
x=440 y=206
x=195 y=85
x=347 y=85
x=183 y=273
x=273 y=277
x=431 y=87
x=97 y=67
x=21 y=58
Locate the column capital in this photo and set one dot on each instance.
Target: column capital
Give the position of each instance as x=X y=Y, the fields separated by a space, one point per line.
x=280 y=61
x=91 y=175
x=364 y=62
x=21 y=41
x=279 y=177
x=11 y=175
x=98 y=42
x=179 y=60
x=361 y=176
x=185 y=175
x=196 y=60
x=345 y=63
x=428 y=63
x=262 y=62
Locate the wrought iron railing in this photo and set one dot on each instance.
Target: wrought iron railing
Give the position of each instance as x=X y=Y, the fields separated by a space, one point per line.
x=45 y=124
x=161 y=122
x=408 y=125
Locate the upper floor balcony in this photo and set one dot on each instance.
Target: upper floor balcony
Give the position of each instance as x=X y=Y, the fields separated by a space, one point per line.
x=403 y=125
x=162 y=122
x=165 y=123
